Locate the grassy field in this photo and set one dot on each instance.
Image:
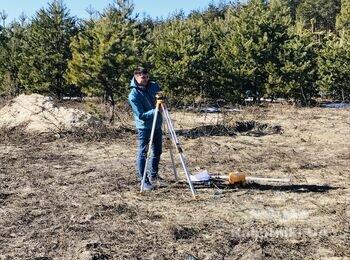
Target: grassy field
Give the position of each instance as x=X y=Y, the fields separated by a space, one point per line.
x=76 y=198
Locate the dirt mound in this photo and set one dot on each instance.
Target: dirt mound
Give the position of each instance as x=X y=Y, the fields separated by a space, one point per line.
x=37 y=113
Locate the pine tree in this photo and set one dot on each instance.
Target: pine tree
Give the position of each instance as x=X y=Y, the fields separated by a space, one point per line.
x=343 y=19
x=167 y=55
x=12 y=58
x=247 y=48
x=47 y=50
x=104 y=54
x=292 y=5
x=3 y=56
x=319 y=14
x=298 y=68
x=334 y=65
x=278 y=22
x=184 y=49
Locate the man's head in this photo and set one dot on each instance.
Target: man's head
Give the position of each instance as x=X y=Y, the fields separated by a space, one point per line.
x=141 y=76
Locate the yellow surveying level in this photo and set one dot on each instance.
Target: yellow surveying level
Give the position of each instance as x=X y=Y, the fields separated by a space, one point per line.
x=162 y=107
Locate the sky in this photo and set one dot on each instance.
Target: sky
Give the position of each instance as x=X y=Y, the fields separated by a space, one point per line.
x=153 y=8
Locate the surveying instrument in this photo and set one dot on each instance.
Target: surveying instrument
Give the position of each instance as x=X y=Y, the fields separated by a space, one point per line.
x=170 y=132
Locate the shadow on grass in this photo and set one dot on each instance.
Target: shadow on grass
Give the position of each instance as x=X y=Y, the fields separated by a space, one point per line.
x=250 y=128
x=297 y=188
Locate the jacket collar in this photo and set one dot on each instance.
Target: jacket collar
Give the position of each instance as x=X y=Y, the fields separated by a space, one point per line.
x=134 y=84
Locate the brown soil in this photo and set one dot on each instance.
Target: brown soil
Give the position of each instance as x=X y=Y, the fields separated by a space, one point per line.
x=68 y=198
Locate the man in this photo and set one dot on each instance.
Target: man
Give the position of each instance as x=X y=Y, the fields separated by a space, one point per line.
x=142 y=101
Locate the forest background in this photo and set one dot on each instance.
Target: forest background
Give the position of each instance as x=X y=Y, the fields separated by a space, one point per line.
x=298 y=50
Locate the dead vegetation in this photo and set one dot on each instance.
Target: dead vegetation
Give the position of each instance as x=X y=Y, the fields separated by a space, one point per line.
x=75 y=196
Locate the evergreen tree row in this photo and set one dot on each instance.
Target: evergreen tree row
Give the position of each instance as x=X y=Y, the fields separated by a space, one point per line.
x=293 y=49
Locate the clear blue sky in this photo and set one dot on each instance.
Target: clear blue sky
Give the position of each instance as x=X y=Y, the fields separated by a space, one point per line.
x=154 y=8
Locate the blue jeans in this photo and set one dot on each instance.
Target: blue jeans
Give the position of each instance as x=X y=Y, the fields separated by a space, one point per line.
x=144 y=138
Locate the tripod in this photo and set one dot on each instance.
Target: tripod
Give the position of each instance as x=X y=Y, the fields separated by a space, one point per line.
x=161 y=104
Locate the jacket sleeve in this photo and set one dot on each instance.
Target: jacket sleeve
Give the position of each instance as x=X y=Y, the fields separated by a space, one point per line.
x=138 y=109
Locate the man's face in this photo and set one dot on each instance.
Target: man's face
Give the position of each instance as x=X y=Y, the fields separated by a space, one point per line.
x=142 y=79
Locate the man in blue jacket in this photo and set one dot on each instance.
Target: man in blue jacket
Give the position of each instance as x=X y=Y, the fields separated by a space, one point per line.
x=142 y=101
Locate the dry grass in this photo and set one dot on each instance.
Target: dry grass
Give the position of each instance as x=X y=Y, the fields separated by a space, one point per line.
x=66 y=199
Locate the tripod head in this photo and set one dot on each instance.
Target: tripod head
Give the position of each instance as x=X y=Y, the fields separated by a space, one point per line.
x=160 y=96
x=162 y=99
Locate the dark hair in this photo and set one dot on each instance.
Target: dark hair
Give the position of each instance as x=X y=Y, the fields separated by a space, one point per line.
x=140 y=70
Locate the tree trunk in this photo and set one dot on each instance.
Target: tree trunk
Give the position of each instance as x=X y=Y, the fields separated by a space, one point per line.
x=111 y=118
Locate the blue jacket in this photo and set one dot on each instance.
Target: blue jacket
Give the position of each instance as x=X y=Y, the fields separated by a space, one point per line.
x=142 y=101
